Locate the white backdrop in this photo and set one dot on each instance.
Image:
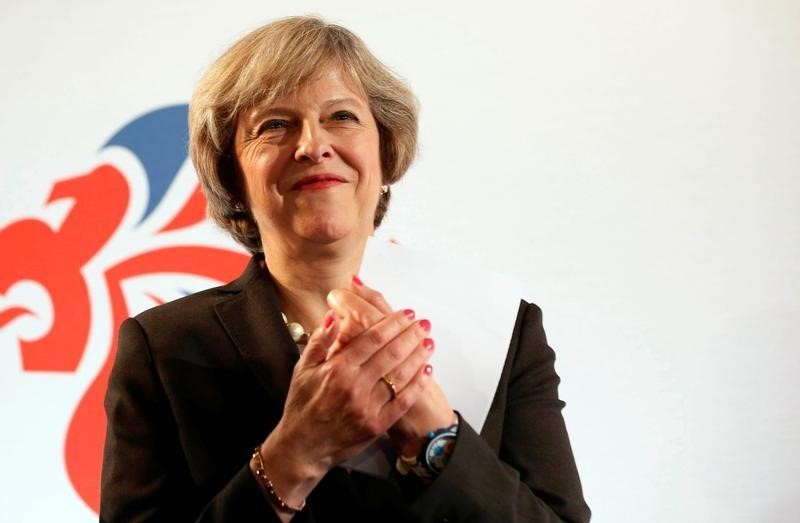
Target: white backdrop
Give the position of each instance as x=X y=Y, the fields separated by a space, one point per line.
x=635 y=164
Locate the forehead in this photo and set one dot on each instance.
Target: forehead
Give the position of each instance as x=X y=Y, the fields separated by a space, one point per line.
x=329 y=85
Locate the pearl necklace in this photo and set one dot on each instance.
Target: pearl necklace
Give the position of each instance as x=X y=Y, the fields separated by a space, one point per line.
x=296 y=331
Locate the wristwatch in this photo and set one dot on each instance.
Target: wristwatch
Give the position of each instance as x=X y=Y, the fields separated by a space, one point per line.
x=434 y=456
x=441 y=444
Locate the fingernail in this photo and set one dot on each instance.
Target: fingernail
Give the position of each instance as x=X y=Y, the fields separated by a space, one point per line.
x=425 y=324
x=328 y=321
x=428 y=370
x=357 y=280
x=427 y=343
x=409 y=314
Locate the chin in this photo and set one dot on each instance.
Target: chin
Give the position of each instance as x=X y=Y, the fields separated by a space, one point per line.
x=327 y=231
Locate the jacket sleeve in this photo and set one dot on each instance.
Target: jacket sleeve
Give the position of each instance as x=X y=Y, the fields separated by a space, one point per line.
x=522 y=467
x=144 y=475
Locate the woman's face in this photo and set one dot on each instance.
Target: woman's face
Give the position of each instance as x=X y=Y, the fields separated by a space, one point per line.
x=311 y=164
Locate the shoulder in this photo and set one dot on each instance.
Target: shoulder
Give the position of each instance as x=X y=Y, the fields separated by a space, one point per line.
x=527 y=349
x=529 y=310
x=531 y=359
x=191 y=321
x=528 y=327
x=171 y=330
x=530 y=320
x=199 y=306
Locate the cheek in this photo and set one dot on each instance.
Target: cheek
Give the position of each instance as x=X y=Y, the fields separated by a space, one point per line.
x=253 y=191
x=370 y=194
x=261 y=176
x=370 y=158
x=246 y=168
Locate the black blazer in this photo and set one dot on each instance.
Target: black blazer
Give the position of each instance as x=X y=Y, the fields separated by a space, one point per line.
x=197 y=383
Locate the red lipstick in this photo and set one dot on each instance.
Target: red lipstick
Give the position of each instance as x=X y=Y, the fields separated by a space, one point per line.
x=314 y=182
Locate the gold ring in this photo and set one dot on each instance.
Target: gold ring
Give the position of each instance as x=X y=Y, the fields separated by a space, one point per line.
x=390 y=384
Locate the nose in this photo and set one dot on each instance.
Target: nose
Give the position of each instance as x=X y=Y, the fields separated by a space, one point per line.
x=313 y=144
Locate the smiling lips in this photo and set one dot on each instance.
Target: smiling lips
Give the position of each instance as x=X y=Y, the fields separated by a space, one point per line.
x=314 y=182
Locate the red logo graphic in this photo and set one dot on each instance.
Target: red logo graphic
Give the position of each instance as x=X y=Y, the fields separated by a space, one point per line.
x=119 y=228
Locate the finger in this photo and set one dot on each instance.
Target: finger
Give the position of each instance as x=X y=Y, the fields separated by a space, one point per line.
x=320 y=341
x=396 y=351
x=345 y=301
x=369 y=294
x=406 y=398
x=355 y=313
x=404 y=373
x=361 y=348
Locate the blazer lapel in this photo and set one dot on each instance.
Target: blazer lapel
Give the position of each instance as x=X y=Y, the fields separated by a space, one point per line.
x=253 y=321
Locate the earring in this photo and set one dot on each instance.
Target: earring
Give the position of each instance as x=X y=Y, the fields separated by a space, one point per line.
x=240 y=207
x=384 y=189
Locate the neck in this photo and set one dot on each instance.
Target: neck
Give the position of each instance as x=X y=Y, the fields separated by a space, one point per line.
x=305 y=275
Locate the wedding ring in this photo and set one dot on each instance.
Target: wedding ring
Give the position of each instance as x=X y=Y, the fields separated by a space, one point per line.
x=390 y=384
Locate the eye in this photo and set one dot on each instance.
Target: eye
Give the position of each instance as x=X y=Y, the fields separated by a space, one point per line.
x=272 y=125
x=343 y=116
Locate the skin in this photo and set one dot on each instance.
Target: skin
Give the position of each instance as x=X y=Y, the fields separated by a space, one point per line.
x=313 y=241
x=364 y=306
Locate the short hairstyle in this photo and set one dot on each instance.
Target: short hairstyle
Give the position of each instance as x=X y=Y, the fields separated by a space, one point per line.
x=267 y=64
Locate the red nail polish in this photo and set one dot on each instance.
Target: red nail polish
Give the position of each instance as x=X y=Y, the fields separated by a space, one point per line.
x=427 y=343
x=428 y=370
x=409 y=314
x=425 y=324
x=328 y=321
x=357 y=280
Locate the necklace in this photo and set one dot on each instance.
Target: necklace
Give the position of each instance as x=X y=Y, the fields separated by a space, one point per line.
x=296 y=331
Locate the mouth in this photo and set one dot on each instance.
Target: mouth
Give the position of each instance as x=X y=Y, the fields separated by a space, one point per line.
x=314 y=182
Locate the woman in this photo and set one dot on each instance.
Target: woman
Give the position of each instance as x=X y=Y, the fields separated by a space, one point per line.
x=222 y=408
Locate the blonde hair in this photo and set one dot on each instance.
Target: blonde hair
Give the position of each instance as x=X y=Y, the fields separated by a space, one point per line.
x=267 y=64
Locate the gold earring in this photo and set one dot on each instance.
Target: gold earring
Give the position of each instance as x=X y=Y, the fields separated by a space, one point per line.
x=384 y=189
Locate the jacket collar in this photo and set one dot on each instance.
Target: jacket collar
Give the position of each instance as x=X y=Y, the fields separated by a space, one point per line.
x=251 y=317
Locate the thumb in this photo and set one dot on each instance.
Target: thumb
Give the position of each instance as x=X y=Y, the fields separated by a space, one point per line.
x=320 y=341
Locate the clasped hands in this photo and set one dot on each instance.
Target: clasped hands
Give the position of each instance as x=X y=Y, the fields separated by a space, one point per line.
x=338 y=402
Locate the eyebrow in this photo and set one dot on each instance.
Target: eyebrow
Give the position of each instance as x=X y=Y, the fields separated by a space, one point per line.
x=260 y=112
x=347 y=99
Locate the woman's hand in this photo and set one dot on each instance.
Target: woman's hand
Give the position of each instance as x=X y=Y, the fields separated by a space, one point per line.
x=358 y=309
x=337 y=402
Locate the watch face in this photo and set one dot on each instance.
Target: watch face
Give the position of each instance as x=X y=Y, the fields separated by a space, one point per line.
x=439 y=451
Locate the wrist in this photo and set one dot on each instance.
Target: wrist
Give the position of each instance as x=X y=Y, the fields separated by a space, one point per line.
x=283 y=505
x=302 y=459
x=407 y=445
x=410 y=438
x=287 y=475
